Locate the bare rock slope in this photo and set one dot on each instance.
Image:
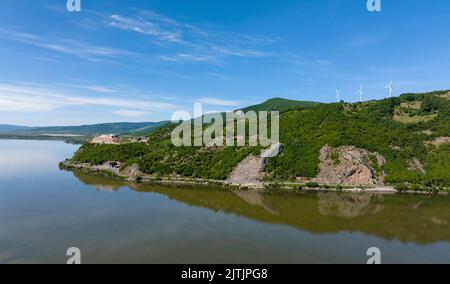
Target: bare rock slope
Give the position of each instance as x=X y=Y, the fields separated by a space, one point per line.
x=248 y=171
x=349 y=165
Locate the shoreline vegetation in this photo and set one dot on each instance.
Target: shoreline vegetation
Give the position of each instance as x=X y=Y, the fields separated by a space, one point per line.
x=274 y=187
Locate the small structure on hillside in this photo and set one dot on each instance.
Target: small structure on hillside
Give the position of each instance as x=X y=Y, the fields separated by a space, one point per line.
x=111 y=139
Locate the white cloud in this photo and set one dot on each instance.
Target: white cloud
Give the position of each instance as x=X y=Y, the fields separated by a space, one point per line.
x=18 y=104
x=164 y=31
x=66 y=46
x=198 y=44
x=236 y=51
x=220 y=76
x=181 y=42
x=131 y=113
x=24 y=98
x=218 y=102
x=95 y=88
x=184 y=57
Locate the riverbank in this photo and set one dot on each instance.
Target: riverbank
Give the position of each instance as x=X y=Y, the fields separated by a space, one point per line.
x=131 y=174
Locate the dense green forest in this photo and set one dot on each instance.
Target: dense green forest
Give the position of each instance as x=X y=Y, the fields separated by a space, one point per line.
x=401 y=129
x=368 y=125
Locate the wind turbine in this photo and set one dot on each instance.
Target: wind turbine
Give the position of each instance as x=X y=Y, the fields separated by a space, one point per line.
x=360 y=92
x=389 y=87
x=338 y=96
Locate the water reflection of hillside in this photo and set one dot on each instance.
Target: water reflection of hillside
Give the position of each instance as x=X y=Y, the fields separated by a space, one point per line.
x=101 y=183
x=349 y=205
x=410 y=218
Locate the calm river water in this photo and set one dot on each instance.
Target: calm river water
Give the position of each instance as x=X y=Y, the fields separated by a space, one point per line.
x=44 y=211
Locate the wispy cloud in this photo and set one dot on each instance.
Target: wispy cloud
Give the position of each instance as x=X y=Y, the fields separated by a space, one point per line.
x=179 y=42
x=220 y=76
x=70 y=47
x=163 y=30
x=24 y=98
x=195 y=44
x=131 y=113
x=218 y=102
x=44 y=59
x=93 y=88
x=185 y=57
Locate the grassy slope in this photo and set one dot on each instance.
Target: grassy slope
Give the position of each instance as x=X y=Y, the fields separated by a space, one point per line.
x=304 y=131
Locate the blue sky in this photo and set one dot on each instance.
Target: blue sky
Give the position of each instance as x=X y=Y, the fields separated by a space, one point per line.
x=142 y=60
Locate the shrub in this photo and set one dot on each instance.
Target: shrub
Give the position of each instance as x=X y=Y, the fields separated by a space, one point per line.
x=312 y=185
x=401 y=187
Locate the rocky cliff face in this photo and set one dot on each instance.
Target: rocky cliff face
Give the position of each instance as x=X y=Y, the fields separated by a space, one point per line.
x=349 y=165
x=345 y=165
x=248 y=171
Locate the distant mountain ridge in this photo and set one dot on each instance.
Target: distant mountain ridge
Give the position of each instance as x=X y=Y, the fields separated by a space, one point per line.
x=83 y=130
x=137 y=128
x=9 y=128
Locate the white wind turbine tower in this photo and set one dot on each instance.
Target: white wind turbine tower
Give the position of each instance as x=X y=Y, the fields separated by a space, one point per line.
x=338 y=96
x=389 y=87
x=360 y=92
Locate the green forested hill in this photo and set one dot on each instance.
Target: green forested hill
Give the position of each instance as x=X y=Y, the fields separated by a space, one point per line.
x=371 y=126
x=281 y=105
x=401 y=129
